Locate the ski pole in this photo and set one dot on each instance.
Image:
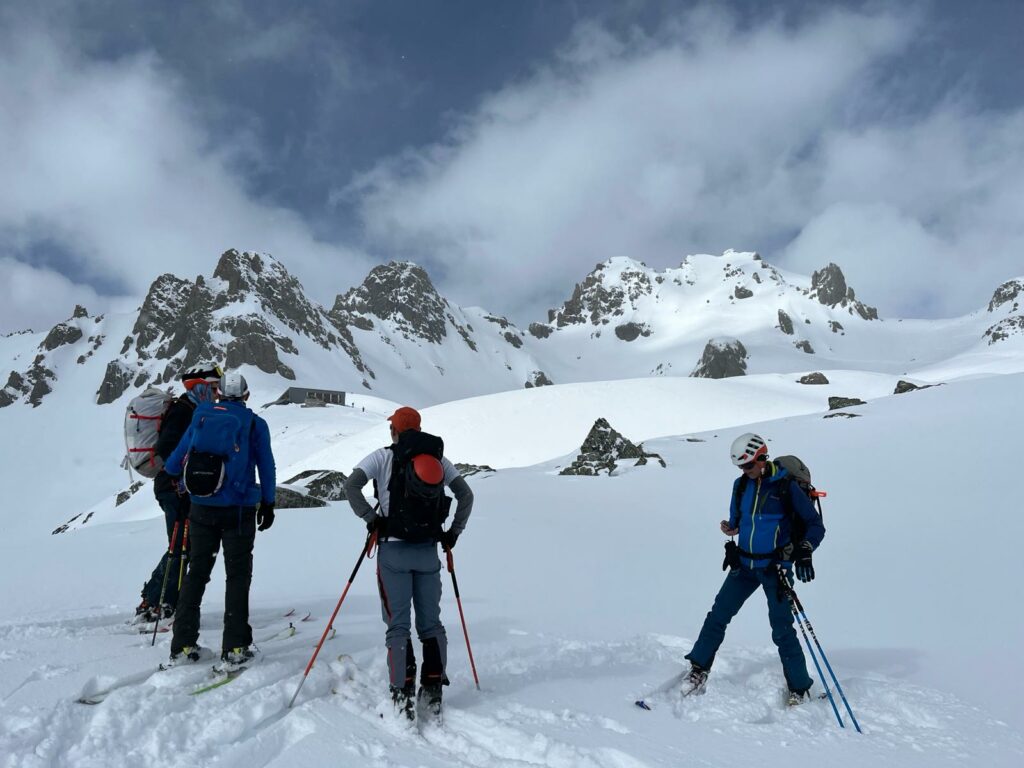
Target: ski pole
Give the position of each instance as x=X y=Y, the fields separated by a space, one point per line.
x=163 y=585
x=458 y=599
x=181 y=563
x=370 y=541
x=803 y=615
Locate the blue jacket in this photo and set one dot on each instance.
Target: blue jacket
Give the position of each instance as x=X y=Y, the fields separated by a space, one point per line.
x=260 y=456
x=761 y=515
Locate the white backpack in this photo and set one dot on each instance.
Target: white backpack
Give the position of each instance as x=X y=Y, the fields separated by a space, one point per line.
x=142 y=422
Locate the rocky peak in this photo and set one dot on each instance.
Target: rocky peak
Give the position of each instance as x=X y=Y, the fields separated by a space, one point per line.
x=603 y=449
x=161 y=311
x=829 y=286
x=608 y=291
x=1010 y=291
x=722 y=358
x=80 y=311
x=399 y=292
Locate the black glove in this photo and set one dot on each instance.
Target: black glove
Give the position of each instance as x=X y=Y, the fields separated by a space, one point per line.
x=378 y=523
x=802 y=561
x=264 y=516
x=448 y=539
x=732 y=556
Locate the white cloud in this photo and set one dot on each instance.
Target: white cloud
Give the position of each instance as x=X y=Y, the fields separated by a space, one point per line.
x=706 y=137
x=107 y=160
x=36 y=298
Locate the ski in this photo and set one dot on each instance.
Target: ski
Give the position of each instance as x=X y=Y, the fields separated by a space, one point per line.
x=664 y=687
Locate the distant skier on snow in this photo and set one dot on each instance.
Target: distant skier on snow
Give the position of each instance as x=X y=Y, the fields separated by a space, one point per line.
x=408 y=481
x=200 y=386
x=217 y=460
x=764 y=498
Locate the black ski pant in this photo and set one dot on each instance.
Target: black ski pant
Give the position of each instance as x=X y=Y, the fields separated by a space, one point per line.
x=235 y=527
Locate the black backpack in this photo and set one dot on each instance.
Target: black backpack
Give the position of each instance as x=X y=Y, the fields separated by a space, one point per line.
x=417 y=508
x=801 y=475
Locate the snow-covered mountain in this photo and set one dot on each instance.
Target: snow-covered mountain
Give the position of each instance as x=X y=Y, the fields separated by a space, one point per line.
x=395 y=336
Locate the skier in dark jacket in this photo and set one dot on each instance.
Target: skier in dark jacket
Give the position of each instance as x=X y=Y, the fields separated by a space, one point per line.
x=232 y=513
x=410 y=571
x=758 y=516
x=200 y=386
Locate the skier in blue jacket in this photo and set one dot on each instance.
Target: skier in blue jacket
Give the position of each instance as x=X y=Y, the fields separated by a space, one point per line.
x=758 y=515
x=224 y=446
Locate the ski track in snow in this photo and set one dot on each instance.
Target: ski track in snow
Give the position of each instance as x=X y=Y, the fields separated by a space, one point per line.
x=547 y=702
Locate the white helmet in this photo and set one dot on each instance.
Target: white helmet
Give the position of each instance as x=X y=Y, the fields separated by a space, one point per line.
x=748 y=447
x=233 y=386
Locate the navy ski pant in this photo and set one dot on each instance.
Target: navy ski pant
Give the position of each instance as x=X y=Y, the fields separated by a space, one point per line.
x=409 y=575
x=235 y=527
x=175 y=507
x=739 y=585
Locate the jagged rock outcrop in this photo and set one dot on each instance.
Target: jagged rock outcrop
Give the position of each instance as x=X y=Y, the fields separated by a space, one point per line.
x=785 y=323
x=721 y=359
x=605 y=293
x=835 y=403
x=829 y=286
x=538 y=379
x=1004 y=329
x=539 y=331
x=813 y=378
x=632 y=331
x=903 y=386
x=287 y=498
x=745 y=293
x=61 y=335
x=603 y=448
x=468 y=470
x=1010 y=291
x=325 y=484
x=804 y=345
x=127 y=493
x=116 y=381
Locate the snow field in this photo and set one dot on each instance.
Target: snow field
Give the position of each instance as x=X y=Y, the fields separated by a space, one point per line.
x=581 y=594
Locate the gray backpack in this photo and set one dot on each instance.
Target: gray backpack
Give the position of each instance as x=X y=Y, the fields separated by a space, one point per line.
x=142 y=421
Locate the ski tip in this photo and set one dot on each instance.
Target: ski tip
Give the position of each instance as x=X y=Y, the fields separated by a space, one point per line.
x=642 y=704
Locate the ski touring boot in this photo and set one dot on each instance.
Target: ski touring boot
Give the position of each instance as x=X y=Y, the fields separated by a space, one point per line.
x=696 y=680
x=796 y=697
x=404 y=701
x=237 y=659
x=429 y=702
x=189 y=654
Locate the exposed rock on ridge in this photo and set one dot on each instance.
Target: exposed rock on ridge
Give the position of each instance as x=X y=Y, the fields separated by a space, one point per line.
x=603 y=448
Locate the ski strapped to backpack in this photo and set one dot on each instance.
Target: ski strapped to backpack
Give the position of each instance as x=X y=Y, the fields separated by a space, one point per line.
x=142 y=421
x=418 y=505
x=801 y=475
x=219 y=449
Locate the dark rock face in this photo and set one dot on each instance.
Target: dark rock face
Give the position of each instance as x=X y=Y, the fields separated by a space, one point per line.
x=835 y=403
x=13 y=390
x=39 y=378
x=813 y=378
x=804 y=345
x=127 y=493
x=1004 y=329
x=836 y=327
x=468 y=470
x=402 y=293
x=632 y=331
x=79 y=312
x=830 y=288
x=115 y=382
x=290 y=499
x=539 y=331
x=1005 y=293
x=603 y=448
x=513 y=339
x=538 y=379
x=257 y=350
x=842 y=414
x=595 y=303
x=743 y=293
x=161 y=312
x=785 y=323
x=330 y=486
x=61 y=335
x=722 y=358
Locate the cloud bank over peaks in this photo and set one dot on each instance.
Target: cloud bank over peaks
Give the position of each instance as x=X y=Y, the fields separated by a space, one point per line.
x=110 y=163
x=787 y=138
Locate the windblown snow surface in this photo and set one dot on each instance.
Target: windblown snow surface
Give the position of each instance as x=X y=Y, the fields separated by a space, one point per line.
x=581 y=593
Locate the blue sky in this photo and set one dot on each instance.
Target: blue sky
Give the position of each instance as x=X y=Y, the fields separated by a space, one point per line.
x=509 y=146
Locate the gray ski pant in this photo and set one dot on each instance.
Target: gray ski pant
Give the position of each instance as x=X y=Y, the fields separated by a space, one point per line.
x=409 y=575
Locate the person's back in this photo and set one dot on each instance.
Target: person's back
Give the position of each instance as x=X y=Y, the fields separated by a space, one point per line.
x=229 y=435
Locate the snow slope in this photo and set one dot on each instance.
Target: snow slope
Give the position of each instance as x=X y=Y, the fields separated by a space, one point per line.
x=580 y=593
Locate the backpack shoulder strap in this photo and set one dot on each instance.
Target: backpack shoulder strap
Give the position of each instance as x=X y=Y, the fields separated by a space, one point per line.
x=737 y=496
